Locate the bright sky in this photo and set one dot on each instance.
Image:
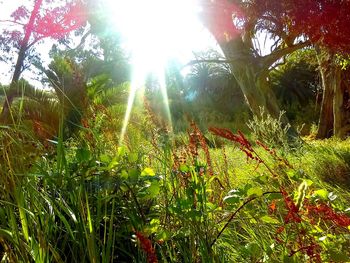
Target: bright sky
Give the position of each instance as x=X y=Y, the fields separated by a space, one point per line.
x=177 y=38
x=156 y=31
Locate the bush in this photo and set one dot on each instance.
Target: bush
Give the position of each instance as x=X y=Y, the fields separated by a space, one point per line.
x=269 y=130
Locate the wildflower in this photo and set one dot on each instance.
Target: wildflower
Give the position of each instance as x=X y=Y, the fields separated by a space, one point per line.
x=272 y=207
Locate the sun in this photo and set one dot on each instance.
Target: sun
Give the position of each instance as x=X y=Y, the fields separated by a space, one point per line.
x=156 y=31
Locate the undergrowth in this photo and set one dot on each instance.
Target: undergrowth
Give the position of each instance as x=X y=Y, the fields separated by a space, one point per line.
x=199 y=198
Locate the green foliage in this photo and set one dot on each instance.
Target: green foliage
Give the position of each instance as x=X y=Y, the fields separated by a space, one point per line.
x=91 y=199
x=298 y=88
x=330 y=161
x=208 y=94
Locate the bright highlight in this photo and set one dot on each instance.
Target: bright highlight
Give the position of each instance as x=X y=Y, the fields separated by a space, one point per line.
x=156 y=31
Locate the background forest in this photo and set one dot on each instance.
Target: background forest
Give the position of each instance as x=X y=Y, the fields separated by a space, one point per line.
x=239 y=154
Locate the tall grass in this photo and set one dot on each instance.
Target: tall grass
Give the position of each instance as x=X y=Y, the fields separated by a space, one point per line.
x=88 y=199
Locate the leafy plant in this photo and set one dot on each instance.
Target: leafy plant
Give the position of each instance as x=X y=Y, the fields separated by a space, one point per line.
x=269 y=130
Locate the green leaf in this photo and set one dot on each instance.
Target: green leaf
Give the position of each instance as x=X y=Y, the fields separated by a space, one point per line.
x=82 y=154
x=163 y=235
x=121 y=151
x=268 y=219
x=154 y=225
x=148 y=172
x=322 y=193
x=184 y=168
x=153 y=189
x=133 y=175
x=113 y=163
x=255 y=191
x=308 y=182
x=253 y=249
x=288 y=259
x=105 y=158
x=133 y=157
x=232 y=199
x=124 y=174
x=338 y=256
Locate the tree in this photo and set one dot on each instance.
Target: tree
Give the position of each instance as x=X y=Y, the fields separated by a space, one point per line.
x=45 y=21
x=326 y=24
x=297 y=85
x=235 y=26
x=293 y=25
x=213 y=89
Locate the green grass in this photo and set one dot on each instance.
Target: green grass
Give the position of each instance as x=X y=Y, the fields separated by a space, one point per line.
x=88 y=199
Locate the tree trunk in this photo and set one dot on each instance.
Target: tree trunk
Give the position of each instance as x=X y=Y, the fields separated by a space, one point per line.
x=338 y=103
x=341 y=105
x=251 y=75
x=19 y=64
x=325 y=124
x=335 y=106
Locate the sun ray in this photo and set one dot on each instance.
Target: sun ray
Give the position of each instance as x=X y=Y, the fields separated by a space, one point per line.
x=134 y=86
x=156 y=31
x=165 y=98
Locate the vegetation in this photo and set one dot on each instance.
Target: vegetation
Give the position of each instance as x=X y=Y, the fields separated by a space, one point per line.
x=220 y=179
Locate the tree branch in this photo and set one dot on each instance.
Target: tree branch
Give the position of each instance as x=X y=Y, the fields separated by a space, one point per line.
x=82 y=41
x=236 y=212
x=199 y=61
x=13 y=22
x=270 y=59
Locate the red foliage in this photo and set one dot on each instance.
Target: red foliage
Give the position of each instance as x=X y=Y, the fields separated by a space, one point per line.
x=326 y=213
x=227 y=134
x=324 y=21
x=197 y=138
x=293 y=215
x=217 y=17
x=147 y=247
x=60 y=21
x=312 y=250
x=245 y=145
x=54 y=22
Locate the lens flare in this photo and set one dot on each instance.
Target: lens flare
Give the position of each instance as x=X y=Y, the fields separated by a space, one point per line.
x=156 y=31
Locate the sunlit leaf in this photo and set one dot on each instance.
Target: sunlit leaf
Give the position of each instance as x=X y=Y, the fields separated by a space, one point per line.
x=148 y=172
x=231 y=199
x=153 y=189
x=255 y=191
x=322 y=193
x=270 y=220
x=332 y=196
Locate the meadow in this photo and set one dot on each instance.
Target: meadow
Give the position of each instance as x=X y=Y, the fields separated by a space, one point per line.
x=165 y=197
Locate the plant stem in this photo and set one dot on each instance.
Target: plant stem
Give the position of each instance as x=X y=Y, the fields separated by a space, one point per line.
x=237 y=211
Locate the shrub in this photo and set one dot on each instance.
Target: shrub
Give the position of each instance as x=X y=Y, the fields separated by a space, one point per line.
x=269 y=130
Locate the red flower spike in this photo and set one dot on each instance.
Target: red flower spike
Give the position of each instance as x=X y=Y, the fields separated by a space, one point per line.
x=147 y=247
